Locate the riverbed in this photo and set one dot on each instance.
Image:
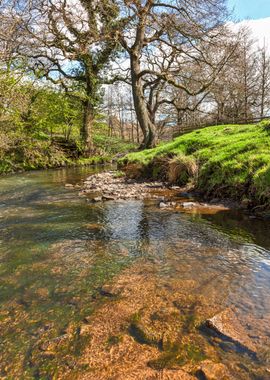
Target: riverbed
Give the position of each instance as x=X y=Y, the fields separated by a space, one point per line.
x=80 y=281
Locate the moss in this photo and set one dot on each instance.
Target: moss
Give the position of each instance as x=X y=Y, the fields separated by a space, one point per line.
x=142 y=337
x=178 y=355
x=141 y=334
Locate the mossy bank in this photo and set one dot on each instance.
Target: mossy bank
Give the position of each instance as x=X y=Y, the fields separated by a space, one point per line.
x=227 y=161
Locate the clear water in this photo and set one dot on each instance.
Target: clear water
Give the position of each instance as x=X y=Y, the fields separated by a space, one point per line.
x=57 y=250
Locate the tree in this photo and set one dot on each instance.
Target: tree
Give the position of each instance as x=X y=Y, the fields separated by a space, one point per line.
x=184 y=31
x=71 y=46
x=235 y=93
x=263 y=77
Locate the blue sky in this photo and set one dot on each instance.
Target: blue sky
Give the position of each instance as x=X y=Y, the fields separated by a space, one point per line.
x=250 y=9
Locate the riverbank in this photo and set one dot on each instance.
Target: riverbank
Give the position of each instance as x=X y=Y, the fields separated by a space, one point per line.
x=220 y=162
x=24 y=153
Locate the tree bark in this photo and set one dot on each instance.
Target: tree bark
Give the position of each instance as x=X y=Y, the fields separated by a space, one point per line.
x=140 y=104
x=87 y=127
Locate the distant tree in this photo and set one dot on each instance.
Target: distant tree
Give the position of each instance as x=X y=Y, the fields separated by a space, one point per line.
x=263 y=78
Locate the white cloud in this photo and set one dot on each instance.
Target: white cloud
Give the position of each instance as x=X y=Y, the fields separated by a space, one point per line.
x=260 y=30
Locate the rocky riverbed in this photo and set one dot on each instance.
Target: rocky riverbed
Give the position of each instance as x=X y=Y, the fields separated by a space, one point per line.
x=114 y=185
x=148 y=327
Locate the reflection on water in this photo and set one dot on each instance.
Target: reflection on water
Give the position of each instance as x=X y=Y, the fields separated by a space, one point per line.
x=57 y=250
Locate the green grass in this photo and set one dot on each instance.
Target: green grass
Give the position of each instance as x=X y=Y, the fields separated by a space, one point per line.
x=233 y=160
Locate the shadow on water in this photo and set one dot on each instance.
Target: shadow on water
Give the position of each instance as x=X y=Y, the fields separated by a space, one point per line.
x=57 y=251
x=241 y=226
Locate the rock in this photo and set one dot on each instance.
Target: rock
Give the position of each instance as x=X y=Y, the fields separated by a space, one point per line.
x=228 y=326
x=189 y=204
x=96 y=199
x=84 y=330
x=113 y=187
x=108 y=197
x=163 y=205
x=167 y=204
x=69 y=185
x=209 y=370
x=107 y=291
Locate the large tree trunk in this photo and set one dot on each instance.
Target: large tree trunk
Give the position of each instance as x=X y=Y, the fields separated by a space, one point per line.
x=87 y=127
x=142 y=113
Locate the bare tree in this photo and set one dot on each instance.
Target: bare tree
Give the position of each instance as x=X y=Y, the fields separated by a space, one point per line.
x=185 y=30
x=263 y=78
x=247 y=73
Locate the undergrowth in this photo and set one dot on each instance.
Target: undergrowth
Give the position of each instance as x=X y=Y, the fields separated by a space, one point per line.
x=22 y=152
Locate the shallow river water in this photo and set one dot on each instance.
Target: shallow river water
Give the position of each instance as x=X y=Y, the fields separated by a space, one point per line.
x=57 y=251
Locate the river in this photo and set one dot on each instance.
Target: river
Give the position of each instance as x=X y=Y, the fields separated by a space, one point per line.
x=57 y=251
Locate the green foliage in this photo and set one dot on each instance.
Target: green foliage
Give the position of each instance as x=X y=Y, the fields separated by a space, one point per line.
x=112 y=145
x=41 y=128
x=53 y=113
x=22 y=152
x=233 y=160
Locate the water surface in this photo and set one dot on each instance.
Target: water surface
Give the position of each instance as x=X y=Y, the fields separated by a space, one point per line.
x=57 y=250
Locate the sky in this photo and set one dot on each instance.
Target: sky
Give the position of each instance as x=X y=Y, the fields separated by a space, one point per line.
x=250 y=9
x=256 y=15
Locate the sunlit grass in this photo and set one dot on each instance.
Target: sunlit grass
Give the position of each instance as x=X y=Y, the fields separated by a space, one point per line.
x=234 y=158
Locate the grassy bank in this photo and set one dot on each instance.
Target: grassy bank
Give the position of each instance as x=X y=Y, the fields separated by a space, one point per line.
x=21 y=152
x=231 y=161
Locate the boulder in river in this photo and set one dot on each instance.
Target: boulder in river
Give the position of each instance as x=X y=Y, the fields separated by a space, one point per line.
x=228 y=326
x=209 y=370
